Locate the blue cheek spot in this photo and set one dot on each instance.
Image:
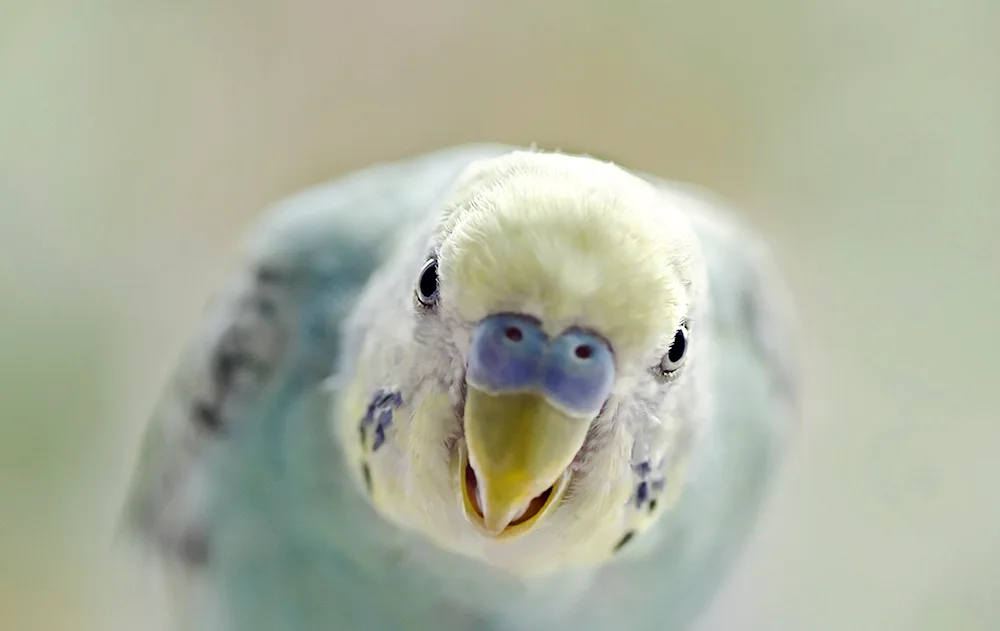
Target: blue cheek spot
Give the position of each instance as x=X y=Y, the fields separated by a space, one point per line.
x=506 y=354
x=650 y=486
x=642 y=493
x=579 y=371
x=378 y=417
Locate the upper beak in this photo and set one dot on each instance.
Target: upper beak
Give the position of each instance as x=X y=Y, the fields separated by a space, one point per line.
x=520 y=447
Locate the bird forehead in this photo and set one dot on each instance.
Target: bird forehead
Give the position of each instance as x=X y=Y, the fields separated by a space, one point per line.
x=592 y=248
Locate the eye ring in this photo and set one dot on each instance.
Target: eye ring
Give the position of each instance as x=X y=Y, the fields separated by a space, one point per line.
x=677 y=353
x=427 y=284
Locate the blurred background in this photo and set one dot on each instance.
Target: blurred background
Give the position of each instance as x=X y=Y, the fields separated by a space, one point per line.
x=139 y=139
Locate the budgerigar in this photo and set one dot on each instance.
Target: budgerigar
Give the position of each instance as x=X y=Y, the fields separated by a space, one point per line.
x=486 y=388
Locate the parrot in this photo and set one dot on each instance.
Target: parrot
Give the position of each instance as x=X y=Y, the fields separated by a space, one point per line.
x=484 y=388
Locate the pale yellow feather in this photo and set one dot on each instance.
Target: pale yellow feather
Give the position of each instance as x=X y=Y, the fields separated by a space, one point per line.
x=572 y=241
x=577 y=243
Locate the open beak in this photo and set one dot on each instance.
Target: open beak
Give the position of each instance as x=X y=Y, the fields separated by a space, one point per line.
x=519 y=450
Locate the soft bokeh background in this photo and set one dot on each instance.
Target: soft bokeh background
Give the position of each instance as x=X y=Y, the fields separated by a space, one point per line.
x=139 y=139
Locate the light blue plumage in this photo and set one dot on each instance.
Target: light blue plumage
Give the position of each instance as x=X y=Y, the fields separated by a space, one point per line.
x=294 y=475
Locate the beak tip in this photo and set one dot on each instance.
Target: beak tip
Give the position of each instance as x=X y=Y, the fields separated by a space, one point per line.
x=494 y=529
x=495 y=522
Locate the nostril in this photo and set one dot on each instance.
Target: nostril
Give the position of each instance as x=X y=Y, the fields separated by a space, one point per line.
x=583 y=351
x=513 y=334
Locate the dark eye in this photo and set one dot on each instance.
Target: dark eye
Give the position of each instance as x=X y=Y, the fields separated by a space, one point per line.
x=427 y=284
x=674 y=358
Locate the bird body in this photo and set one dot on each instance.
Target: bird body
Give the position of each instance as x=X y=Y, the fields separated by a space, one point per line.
x=480 y=389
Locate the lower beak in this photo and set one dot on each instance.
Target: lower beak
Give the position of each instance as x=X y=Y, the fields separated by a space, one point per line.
x=519 y=449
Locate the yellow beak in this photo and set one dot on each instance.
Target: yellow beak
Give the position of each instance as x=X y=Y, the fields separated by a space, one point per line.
x=519 y=448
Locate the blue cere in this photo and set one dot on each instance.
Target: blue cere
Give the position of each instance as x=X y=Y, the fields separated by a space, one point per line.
x=511 y=353
x=579 y=371
x=506 y=353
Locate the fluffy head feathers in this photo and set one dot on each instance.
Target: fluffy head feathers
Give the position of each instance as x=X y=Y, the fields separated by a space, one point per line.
x=572 y=241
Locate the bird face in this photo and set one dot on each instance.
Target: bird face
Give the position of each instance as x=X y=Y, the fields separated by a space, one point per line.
x=552 y=311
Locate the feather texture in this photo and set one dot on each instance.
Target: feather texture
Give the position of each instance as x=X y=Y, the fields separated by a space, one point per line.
x=242 y=486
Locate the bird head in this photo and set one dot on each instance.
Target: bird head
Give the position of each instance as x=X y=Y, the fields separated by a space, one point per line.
x=552 y=311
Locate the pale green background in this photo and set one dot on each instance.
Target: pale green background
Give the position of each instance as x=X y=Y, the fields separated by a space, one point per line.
x=138 y=139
